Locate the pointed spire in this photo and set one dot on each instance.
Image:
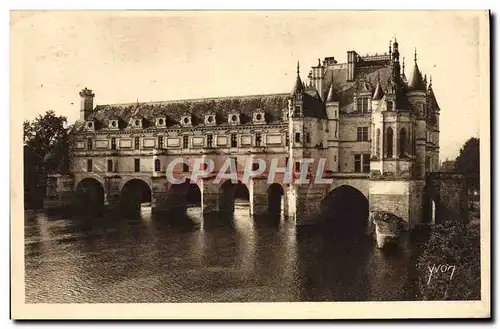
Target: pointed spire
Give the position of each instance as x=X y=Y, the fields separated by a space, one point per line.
x=403 y=75
x=379 y=93
x=390 y=49
x=331 y=93
x=416 y=81
x=299 y=85
x=432 y=98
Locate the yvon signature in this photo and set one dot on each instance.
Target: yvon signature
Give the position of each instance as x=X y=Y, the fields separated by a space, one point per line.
x=443 y=268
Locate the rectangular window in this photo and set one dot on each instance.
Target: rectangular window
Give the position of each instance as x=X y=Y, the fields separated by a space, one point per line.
x=185 y=142
x=308 y=138
x=359 y=104
x=287 y=140
x=255 y=166
x=160 y=142
x=234 y=140
x=365 y=105
x=297 y=166
x=137 y=165
x=357 y=162
x=366 y=163
x=110 y=165
x=258 y=140
x=297 y=137
x=89 y=165
x=210 y=140
x=390 y=106
x=362 y=104
x=89 y=144
x=362 y=134
x=297 y=110
x=137 y=143
x=113 y=143
x=157 y=165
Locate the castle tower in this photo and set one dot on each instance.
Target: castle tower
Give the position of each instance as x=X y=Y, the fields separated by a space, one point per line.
x=417 y=98
x=394 y=187
x=86 y=103
x=433 y=126
x=332 y=113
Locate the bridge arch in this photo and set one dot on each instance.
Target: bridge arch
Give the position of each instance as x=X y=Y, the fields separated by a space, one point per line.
x=181 y=196
x=345 y=211
x=89 y=196
x=275 y=199
x=135 y=193
x=230 y=192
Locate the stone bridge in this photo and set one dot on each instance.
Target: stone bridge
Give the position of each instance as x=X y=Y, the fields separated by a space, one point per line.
x=352 y=195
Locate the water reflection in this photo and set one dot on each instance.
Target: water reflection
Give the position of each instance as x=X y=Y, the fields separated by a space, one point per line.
x=233 y=258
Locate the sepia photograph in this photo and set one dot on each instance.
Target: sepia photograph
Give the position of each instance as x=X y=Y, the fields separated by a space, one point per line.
x=250 y=164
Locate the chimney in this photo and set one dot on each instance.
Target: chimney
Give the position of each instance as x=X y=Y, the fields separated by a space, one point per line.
x=352 y=58
x=86 y=103
x=318 y=79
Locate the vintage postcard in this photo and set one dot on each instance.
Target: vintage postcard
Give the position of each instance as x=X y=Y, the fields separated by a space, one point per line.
x=250 y=165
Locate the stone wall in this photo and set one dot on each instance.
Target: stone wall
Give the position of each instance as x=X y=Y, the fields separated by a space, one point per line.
x=59 y=193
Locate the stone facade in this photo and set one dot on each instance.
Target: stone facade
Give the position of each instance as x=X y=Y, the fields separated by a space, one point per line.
x=377 y=130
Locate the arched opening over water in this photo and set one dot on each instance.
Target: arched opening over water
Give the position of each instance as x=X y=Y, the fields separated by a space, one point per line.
x=345 y=210
x=429 y=209
x=184 y=201
x=182 y=196
x=89 y=197
x=136 y=193
x=275 y=199
x=231 y=194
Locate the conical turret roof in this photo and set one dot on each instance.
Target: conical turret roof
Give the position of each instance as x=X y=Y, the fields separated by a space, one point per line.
x=379 y=93
x=416 y=81
x=299 y=85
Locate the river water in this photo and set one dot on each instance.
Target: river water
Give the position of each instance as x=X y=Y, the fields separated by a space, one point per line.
x=240 y=259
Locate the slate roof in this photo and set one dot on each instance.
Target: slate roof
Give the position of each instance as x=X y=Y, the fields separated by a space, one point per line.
x=372 y=76
x=345 y=90
x=273 y=105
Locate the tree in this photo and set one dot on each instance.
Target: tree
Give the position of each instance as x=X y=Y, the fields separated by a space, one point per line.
x=468 y=161
x=449 y=266
x=46 y=150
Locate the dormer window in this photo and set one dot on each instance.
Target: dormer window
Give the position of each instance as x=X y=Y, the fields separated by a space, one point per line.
x=234 y=118
x=210 y=119
x=113 y=124
x=186 y=120
x=90 y=125
x=259 y=116
x=362 y=104
x=161 y=122
x=136 y=122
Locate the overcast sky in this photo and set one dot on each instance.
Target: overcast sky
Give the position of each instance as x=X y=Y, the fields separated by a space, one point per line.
x=129 y=56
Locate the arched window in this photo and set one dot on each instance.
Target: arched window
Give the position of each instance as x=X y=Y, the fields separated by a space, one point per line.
x=377 y=144
x=402 y=142
x=110 y=165
x=157 y=165
x=389 y=142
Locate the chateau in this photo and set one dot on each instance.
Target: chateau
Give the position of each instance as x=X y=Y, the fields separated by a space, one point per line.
x=377 y=129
